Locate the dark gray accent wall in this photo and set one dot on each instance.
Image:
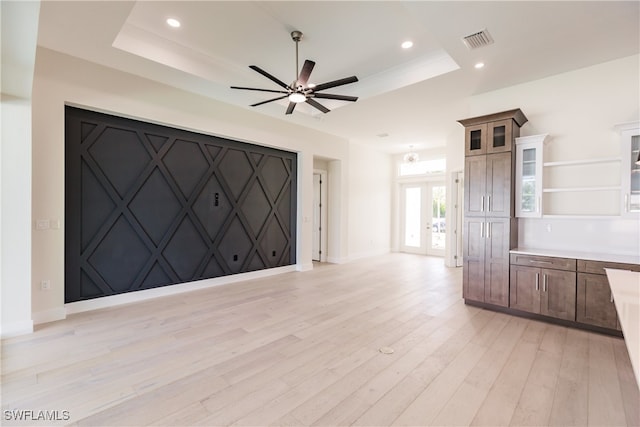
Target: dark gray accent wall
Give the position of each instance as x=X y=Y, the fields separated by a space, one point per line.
x=149 y=206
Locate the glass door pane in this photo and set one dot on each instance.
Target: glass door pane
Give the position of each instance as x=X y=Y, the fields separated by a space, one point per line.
x=412 y=214
x=529 y=196
x=634 y=197
x=423 y=218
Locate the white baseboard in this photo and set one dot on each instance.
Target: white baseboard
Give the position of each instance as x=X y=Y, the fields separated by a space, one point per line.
x=304 y=267
x=12 y=329
x=51 y=315
x=115 y=300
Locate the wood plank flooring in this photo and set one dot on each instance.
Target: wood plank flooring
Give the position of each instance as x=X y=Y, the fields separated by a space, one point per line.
x=302 y=348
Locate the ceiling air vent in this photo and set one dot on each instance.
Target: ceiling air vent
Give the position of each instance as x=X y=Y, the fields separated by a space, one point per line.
x=479 y=39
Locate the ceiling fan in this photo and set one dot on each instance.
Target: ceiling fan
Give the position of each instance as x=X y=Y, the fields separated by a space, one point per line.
x=300 y=90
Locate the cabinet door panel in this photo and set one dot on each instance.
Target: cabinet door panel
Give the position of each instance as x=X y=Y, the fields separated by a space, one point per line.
x=475 y=140
x=474 y=259
x=473 y=281
x=594 y=304
x=475 y=188
x=497 y=262
x=558 y=298
x=498 y=185
x=496 y=287
x=499 y=136
x=523 y=294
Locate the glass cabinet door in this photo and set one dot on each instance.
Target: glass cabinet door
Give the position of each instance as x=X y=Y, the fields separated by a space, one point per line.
x=630 y=178
x=529 y=176
x=499 y=136
x=475 y=140
x=633 y=171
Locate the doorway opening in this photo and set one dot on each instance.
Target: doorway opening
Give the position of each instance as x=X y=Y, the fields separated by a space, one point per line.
x=423 y=218
x=319 y=230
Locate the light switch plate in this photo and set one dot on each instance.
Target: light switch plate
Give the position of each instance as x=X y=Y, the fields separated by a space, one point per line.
x=42 y=224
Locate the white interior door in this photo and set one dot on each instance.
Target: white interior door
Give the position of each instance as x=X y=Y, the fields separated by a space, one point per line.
x=458 y=187
x=423 y=218
x=437 y=232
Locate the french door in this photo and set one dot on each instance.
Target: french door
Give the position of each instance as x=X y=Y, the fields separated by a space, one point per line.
x=423 y=218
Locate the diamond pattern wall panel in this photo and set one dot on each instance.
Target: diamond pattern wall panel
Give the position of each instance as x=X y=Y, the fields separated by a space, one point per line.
x=155 y=206
x=149 y=206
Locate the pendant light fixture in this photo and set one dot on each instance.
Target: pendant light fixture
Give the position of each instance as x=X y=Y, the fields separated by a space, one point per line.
x=411 y=156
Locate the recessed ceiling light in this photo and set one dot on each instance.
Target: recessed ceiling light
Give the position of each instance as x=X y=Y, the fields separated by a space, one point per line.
x=407 y=44
x=479 y=65
x=172 y=22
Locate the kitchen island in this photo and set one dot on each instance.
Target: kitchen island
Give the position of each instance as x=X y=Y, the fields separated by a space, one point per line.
x=625 y=287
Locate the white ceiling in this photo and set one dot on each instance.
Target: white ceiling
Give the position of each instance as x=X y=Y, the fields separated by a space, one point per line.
x=407 y=94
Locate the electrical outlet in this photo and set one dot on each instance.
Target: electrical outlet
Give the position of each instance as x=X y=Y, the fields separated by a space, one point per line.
x=45 y=285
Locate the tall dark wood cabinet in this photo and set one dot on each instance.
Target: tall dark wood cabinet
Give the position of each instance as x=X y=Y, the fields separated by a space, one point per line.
x=490 y=226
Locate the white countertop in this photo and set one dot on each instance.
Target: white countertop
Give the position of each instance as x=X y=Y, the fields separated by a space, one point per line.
x=625 y=287
x=590 y=256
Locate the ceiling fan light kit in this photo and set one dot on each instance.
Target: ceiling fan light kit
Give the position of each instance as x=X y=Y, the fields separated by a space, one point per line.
x=300 y=90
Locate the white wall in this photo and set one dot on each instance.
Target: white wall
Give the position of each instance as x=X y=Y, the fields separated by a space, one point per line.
x=579 y=110
x=15 y=176
x=19 y=32
x=61 y=79
x=369 y=202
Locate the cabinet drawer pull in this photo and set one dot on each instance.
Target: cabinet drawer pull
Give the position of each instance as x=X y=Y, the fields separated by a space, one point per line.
x=611 y=296
x=482 y=229
x=488 y=230
x=482 y=204
x=489 y=203
x=544 y=283
x=537 y=281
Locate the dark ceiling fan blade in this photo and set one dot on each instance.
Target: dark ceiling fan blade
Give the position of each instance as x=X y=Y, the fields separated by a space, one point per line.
x=305 y=72
x=317 y=105
x=269 y=76
x=269 y=100
x=290 y=108
x=338 y=97
x=260 y=90
x=335 y=83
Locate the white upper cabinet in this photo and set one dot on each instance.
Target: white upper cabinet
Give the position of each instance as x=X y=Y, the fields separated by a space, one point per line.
x=529 y=162
x=630 y=180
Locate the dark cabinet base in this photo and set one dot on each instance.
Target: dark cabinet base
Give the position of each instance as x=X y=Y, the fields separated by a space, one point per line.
x=553 y=320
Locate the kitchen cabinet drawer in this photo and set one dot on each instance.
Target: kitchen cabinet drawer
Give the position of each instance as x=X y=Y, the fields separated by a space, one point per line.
x=544 y=262
x=597 y=267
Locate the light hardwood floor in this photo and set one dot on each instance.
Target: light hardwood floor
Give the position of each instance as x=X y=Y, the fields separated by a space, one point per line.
x=303 y=349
